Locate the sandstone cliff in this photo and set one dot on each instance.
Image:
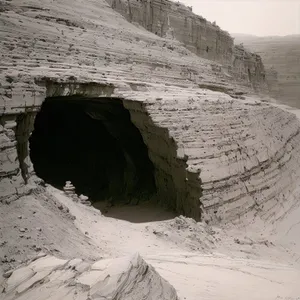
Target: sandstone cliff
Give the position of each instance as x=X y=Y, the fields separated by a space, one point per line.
x=283 y=55
x=218 y=153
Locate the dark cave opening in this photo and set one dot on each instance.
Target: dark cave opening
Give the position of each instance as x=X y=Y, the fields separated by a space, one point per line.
x=94 y=144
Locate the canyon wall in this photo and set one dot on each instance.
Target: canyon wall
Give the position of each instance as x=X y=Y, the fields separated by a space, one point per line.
x=219 y=151
x=174 y=20
x=280 y=54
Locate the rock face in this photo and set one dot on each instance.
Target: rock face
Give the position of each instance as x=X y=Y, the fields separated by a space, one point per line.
x=174 y=20
x=218 y=153
x=281 y=54
x=52 y=278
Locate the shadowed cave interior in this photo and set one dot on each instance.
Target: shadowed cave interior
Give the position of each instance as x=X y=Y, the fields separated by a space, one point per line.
x=94 y=144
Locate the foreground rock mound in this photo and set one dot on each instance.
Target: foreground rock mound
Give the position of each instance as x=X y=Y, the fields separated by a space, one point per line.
x=52 y=278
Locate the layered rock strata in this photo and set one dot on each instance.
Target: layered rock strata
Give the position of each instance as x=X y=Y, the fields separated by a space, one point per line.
x=243 y=161
x=218 y=152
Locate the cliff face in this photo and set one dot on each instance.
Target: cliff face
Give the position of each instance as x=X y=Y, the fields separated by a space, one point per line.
x=218 y=153
x=176 y=21
x=280 y=54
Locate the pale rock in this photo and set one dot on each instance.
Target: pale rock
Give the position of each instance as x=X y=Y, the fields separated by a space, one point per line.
x=123 y=278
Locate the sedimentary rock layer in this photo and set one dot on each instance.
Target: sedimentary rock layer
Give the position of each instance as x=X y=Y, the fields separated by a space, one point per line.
x=52 y=278
x=218 y=152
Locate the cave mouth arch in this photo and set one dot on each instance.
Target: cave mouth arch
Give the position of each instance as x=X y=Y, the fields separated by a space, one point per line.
x=92 y=143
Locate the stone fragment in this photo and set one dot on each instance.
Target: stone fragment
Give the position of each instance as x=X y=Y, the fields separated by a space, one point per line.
x=7 y=274
x=84 y=200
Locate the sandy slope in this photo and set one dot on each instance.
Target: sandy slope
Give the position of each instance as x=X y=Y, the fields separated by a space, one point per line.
x=198 y=260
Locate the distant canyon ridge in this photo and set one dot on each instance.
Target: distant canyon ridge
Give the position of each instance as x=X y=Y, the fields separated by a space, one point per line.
x=281 y=54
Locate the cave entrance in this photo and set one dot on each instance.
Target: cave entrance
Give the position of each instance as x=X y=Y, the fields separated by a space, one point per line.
x=93 y=144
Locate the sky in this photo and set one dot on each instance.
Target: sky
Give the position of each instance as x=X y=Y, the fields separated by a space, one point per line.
x=257 y=17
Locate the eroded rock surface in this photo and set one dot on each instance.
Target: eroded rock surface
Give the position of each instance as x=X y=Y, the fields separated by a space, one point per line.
x=52 y=278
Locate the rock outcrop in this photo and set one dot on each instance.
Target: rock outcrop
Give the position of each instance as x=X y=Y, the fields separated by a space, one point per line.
x=280 y=54
x=218 y=152
x=52 y=278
